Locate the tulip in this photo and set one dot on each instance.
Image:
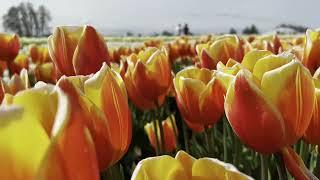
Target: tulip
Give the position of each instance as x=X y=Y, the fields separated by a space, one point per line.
x=15 y=84
x=45 y=72
x=312 y=135
x=47 y=142
x=77 y=50
x=200 y=96
x=221 y=49
x=104 y=101
x=184 y=166
x=270 y=107
x=148 y=78
x=311 y=55
x=39 y=54
x=170 y=134
x=232 y=67
x=9 y=45
x=19 y=63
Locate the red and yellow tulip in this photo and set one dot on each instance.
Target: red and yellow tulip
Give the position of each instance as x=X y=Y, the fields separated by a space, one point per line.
x=77 y=50
x=9 y=45
x=200 y=96
x=270 y=107
x=148 y=77
x=311 y=55
x=170 y=133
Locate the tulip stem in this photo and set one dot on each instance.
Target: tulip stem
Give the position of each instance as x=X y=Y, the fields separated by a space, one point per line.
x=175 y=131
x=317 y=168
x=162 y=140
x=185 y=137
x=156 y=133
x=225 y=154
x=281 y=167
x=209 y=141
x=264 y=167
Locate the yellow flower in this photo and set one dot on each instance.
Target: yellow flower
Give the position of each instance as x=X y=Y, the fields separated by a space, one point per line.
x=184 y=166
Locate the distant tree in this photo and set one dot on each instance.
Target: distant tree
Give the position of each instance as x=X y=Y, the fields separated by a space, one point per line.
x=251 y=30
x=26 y=21
x=129 y=34
x=166 y=33
x=296 y=28
x=233 y=31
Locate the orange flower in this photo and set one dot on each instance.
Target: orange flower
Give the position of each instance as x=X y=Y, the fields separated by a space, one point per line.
x=223 y=48
x=311 y=55
x=77 y=50
x=19 y=63
x=170 y=132
x=9 y=45
x=270 y=107
x=47 y=142
x=39 y=54
x=312 y=134
x=104 y=103
x=200 y=96
x=148 y=77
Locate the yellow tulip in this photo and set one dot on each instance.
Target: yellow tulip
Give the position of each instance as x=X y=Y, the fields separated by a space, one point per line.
x=184 y=166
x=30 y=137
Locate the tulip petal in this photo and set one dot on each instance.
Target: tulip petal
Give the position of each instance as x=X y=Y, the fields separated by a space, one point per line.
x=251 y=58
x=149 y=168
x=293 y=95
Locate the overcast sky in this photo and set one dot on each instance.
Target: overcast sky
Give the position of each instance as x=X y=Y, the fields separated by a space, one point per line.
x=202 y=15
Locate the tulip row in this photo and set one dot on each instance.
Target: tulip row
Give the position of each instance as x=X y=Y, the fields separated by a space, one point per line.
x=245 y=100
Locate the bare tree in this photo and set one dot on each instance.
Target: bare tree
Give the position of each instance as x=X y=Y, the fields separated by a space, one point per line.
x=26 y=21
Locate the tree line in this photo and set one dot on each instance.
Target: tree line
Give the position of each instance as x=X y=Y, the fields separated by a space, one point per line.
x=27 y=21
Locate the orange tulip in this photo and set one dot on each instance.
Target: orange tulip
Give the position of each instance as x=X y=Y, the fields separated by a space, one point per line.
x=312 y=134
x=311 y=55
x=77 y=50
x=170 y=132
x=47 y=142
x=223 y=48
x=200 y=96
x=39 y=54
x=9 y=45
x=148 y=77
x=104 y=103
x=19 y=63
x=270 y=107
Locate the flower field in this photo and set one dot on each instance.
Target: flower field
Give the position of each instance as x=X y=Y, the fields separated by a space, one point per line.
x=80 y=106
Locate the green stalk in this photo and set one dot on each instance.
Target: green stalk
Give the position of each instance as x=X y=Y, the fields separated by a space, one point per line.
x=185 y=136
x=209 y=141
x=281 y=167
x=225 y=153
x=9 y=69
x=154 y=122
x=317 y=168
x=264 y=167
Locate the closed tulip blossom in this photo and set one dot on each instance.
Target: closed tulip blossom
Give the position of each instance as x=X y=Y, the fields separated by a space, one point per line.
x=9 y=45
x=170 y=133
x=270 y=107
x=77 y=50
x=104 y=103
x=148 y=77
x=312 y=134
x=50 y=141
x=39 y=54
x=221 y=49
x=200 y=96
x=311 y=55
x=186 y=167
